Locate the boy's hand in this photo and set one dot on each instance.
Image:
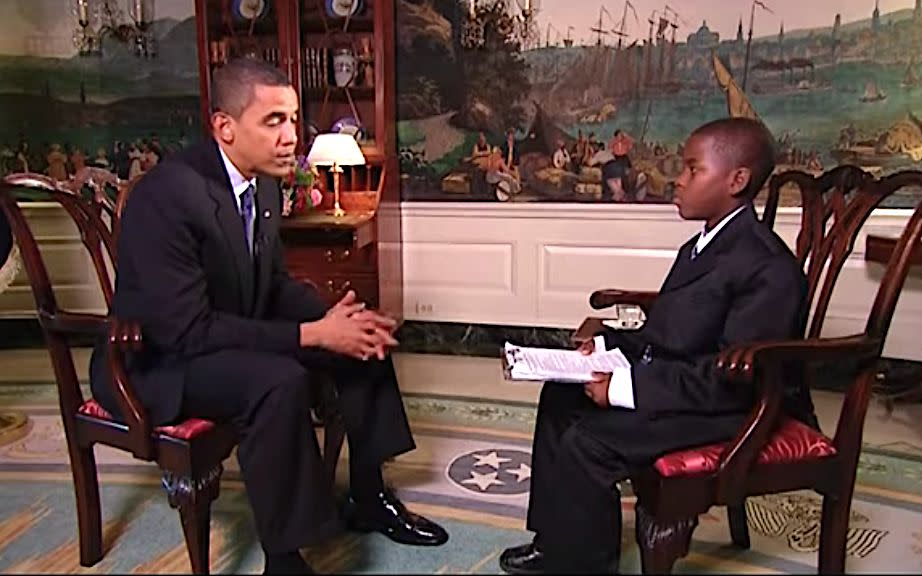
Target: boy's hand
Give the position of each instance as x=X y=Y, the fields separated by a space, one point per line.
x=597 y=388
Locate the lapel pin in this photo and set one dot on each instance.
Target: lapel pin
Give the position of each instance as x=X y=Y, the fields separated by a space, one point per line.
x=267 y=214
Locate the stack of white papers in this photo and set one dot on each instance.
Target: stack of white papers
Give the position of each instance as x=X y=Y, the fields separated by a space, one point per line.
x=523 y=363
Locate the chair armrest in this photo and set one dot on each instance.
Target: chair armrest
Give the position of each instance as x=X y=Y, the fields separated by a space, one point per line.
x=763 y=363
x=125 y=336
x=739 y=363
x=605 y=299
x=591 y=326
x=74 y=323
x=609 y=297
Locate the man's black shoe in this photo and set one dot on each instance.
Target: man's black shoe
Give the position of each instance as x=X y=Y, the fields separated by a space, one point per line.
x=524 y=559
x=287 y=563
x=387 y=515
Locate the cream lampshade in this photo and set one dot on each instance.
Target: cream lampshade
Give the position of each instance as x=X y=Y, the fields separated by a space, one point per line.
x=335 y=150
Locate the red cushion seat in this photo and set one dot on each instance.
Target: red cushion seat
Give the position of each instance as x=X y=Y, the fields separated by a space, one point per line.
x=186 y=430
x=792 y=441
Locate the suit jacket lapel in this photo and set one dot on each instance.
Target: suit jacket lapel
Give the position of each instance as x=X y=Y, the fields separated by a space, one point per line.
x=685 y=270
x=219 y=188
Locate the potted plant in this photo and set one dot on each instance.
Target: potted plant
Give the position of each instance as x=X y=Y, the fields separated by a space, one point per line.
x=299 y=190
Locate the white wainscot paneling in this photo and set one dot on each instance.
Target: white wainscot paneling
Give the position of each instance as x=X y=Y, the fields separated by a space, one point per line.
x=566 y=272
x=536 y=264
x=457 y=278
x=66 y=260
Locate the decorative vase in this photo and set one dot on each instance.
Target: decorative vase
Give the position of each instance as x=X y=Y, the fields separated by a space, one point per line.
x=343 y=67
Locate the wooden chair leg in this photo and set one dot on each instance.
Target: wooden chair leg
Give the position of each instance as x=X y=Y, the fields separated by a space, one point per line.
x=739 y=526
x=661 y=544
x=334 y=434
x=833 y=534
x=334 y=428
x=193 y=497
x=89 y=517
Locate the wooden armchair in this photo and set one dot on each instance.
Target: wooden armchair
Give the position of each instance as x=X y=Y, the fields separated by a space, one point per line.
x=772 y=452
x=190 y=453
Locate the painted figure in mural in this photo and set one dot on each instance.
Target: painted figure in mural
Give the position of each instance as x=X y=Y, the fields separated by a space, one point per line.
x=510 y=151
x=581 y=152
x=77 y=160
x=149 y=157
x=101 y=160
x=120 y=159
x=616 y=170
x=600 y=154
x=7 y=160
x=501 y=176
x=134 y=162
x=57 y=163
x=231 y=337
x=588 y=438
x=561 y=158
x=22 y=157
x=480 y=151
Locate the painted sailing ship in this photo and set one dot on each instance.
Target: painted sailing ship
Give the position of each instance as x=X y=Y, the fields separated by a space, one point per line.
x=738 y=105
x=910 y=80
x=872 y=93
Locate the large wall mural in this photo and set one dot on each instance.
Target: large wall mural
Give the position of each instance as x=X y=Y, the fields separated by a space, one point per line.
x=60 y=111
x=557 y=100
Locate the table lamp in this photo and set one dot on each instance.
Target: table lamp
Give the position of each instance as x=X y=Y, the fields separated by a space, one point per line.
x=335 y=150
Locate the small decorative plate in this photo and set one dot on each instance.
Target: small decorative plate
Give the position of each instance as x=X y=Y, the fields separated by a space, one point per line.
x=349 y=125
x=247 y=10
x=343 y=8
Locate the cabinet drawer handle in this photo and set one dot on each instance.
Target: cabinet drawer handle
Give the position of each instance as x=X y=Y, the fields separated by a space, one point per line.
x=332 y=258
x=346 y=285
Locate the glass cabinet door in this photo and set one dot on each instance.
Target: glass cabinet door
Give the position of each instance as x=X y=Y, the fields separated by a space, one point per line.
x=236 y=28
x=340 y=76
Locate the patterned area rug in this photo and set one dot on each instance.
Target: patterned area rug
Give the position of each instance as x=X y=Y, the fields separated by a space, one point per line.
x=471 y=471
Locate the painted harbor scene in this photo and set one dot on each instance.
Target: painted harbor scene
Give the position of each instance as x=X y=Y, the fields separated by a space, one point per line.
x=555 y=100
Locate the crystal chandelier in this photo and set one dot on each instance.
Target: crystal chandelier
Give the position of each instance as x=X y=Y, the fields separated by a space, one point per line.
x=99 y=19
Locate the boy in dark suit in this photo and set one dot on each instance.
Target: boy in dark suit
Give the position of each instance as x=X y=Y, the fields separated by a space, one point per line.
x=230 y=336
x=735 y=282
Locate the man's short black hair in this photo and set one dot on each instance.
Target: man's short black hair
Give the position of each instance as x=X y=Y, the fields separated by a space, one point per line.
x=232 y=84
x=744 y=143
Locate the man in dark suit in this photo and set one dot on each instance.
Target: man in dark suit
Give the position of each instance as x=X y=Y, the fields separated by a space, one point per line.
x=229 y=336
x=735 y=282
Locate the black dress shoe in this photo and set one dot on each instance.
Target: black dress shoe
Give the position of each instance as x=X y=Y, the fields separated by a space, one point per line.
x=387 y=515
x=524 y=559
x=286 y=563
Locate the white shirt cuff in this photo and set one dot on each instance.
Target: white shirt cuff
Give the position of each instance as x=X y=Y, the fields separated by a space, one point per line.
x=621 y=389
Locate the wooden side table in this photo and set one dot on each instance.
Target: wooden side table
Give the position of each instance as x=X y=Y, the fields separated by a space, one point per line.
x=336 y=254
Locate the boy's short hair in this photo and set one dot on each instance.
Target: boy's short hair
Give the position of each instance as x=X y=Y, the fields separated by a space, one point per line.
x=745 y=143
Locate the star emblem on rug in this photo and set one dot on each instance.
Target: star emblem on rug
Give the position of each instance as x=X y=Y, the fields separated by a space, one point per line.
x=492 y=460
x=482 y=481
x=492 y=471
